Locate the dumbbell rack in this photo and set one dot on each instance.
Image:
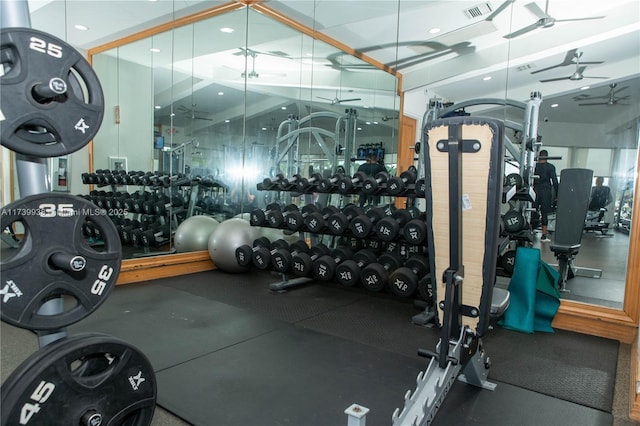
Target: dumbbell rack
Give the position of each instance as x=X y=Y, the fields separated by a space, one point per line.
x=331 y=186
x=155 y=203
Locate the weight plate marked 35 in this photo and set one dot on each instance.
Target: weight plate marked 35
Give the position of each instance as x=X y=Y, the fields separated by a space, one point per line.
x=54 y=259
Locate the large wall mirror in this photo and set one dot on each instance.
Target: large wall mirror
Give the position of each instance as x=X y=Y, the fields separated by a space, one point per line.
x=224 y=102
x=240 y=93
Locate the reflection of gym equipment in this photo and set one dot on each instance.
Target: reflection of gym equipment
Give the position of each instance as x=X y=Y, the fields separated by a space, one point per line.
x=624 y=210
x=290 y=130
x=592 y=222
x=573 y=199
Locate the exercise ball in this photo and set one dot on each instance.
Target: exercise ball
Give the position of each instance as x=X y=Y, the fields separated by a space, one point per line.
x=193 y=233
x=243 y=216
x=226 y=238
x=274 y=234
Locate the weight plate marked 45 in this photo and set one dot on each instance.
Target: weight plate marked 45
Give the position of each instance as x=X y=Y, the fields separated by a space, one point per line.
x=87 y=380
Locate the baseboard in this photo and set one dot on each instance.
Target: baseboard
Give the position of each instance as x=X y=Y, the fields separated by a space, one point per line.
x=634 y=395
x=137 y=270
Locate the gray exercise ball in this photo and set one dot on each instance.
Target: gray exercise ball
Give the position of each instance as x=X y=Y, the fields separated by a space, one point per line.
x=193 y=233
x=226 y=238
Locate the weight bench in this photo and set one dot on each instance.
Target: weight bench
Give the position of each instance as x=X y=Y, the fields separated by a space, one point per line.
x=592 y=223
x=573 y=200
x=462 y=257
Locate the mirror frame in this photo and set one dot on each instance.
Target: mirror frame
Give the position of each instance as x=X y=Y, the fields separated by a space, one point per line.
x=575 y=316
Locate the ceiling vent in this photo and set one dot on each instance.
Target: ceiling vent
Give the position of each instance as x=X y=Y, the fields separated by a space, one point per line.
x=478 y=10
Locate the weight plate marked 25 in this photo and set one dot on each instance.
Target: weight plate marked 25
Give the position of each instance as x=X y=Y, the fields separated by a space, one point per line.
x=52 y=102
x=54 y=259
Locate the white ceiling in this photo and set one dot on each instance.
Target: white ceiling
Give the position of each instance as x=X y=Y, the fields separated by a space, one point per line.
x=450 y=64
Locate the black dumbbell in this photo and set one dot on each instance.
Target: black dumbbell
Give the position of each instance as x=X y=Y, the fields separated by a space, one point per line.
x=513 y=221
x=338 y=223
x=375 y=275
x=155 y=235
x=397 y=184
x=415 y=231
x=288 y=184
x=302 y=263
x=361 y=226
x=373 y=184
x=317 y=221
x=258 y=217
x=347 y=184
x=348 y=272
x=262 y=256
x=276 y=218
x=304 y=184
x=244 y=253
x=294 y=218
x=281 y=259
x=419 y=187
x=327 y=184
x=388 y=228
x=324 y=268
x=268 y=183
x=403 y=281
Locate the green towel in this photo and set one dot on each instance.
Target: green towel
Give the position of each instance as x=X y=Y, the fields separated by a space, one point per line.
x=534 y=299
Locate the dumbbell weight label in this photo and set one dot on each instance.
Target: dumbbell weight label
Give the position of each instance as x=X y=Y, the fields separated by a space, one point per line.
x=400 y=285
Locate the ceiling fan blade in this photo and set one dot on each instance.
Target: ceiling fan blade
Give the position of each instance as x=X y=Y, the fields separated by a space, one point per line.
x=500 y=8
x=589 y=76
x=592 y=62
x=535 y=9
x=568 y=60
x=326 y=99
x=555 y=79
x=522 y=31
x=580 y=19
x=203 y=118
x=349 y=100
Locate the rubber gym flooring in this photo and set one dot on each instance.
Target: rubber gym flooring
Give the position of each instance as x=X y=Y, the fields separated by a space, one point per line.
x=228 y=351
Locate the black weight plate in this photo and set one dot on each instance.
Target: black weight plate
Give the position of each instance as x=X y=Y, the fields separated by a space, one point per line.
x=508 y=261
x=53 y=223
x=50 y=127
x=87 y=379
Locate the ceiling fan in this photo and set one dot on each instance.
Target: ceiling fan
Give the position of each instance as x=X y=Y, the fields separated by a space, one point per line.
x=337 y=100
x=191 y=112
x=610 y=97
x=577 y=74
x=544 y=19
x=253 y=74
x=571 y=58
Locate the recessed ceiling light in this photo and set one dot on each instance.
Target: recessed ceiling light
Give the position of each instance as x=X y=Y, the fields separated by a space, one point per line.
x=309 y=54
x=359 y=128
x=220 y=93
x=226 y=30
x=375 y=122
x=154 y=50
x=368 y=123
x=585 y=87
x=554 y=105
x=434 y=30
x=157 y=107
x=283 y=108
x=487 y=78
x=227 y=120
x=80 y=27
x=264 y=128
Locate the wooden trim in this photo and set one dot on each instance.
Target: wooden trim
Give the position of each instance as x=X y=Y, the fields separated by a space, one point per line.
x=218 y=10
x=596 y=321
x=266 y=10
x=136 y=270
x=406 y=138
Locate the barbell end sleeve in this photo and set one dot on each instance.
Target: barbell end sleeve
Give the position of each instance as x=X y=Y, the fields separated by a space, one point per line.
x=68 y=262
